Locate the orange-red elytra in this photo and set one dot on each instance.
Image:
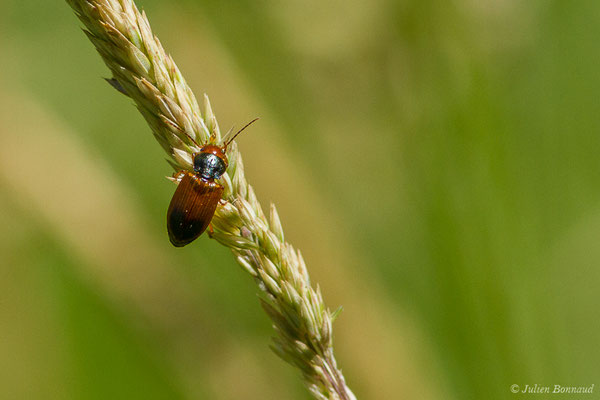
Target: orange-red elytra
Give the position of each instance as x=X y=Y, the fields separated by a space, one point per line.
x=197 y=195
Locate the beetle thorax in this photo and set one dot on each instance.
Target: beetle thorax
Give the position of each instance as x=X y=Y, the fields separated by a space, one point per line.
x=210 y=163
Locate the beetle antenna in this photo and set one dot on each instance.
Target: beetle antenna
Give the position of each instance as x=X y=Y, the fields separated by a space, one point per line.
x=240 y=131
x=192 y=139
x=178 y=129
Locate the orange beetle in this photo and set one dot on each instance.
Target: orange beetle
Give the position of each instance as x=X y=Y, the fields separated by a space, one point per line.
x=195 y=200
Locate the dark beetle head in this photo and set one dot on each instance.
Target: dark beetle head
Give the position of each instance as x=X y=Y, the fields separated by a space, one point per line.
x=211 y=162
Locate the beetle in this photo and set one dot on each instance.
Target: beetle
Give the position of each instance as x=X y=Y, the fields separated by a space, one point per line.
x=196 y=198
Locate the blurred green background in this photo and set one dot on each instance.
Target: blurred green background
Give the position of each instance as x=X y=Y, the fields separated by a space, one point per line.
x=436 y=162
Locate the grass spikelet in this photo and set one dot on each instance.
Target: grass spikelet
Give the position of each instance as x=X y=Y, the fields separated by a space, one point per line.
x=142 y=70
